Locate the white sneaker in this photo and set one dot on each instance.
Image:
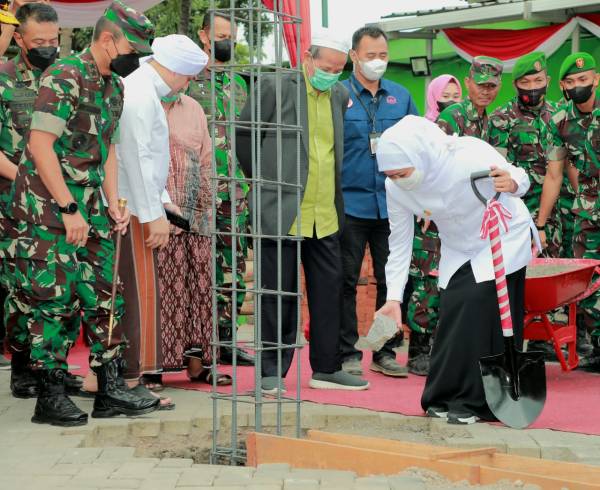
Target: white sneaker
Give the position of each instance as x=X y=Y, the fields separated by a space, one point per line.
x=437 y=413
x=462 y=418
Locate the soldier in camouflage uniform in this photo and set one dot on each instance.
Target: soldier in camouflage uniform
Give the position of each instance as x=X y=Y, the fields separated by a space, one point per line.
x=230 y=94
x=64 y=252
x=518 y=130
x=469 y=117
x=574 y=136
x=566 y=199
x=422 y=314
x=19 y=83
x=466 y=118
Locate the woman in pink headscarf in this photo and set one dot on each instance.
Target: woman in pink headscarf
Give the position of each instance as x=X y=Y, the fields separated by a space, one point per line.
x=443 y=91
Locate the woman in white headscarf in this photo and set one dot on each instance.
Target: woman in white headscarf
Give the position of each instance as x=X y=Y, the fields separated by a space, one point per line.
x=429 y=177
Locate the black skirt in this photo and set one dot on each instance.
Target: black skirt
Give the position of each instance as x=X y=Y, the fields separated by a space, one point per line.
x=469 y=329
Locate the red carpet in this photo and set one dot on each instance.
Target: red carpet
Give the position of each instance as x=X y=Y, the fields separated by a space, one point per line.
x=572 y=402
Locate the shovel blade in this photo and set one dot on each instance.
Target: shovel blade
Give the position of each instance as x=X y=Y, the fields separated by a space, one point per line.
x=516 y=399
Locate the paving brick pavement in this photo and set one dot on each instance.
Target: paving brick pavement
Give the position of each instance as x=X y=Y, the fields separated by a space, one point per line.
x=99 y=455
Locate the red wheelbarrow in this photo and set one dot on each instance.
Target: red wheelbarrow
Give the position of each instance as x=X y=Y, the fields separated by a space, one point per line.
x=551 y=284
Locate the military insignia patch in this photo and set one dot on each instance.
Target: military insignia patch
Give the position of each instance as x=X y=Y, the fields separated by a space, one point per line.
x=538 y=66
x=579 y=62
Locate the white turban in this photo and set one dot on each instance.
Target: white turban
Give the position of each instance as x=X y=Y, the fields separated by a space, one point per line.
x=179 y=54
x=324 y=38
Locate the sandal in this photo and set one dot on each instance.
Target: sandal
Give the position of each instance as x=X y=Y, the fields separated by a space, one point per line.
x=143 y=391
x=152 y=381
x=206 y=376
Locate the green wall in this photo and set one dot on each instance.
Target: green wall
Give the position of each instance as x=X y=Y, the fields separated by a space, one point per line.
x=446 y=61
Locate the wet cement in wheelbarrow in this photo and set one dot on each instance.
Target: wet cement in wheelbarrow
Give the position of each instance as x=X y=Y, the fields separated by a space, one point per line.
x=546 y=270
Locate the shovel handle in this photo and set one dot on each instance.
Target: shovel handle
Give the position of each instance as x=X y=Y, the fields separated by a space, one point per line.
x=500 y=277
x=475 y=176
x=497 y=258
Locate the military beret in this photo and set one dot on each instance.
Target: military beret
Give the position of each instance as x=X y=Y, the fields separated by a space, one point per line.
x=529 y=64
x=485 y=69
x=576 y=63
x=136 y=27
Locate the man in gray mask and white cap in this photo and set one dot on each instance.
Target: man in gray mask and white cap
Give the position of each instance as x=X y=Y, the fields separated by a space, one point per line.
x=143 y=155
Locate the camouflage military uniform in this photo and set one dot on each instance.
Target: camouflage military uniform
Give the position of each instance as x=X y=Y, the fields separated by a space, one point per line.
x=565 y=205
x=575 y=136
x=464 y=120
x=55 y=281
x=18 y=89
x=520 y=133
x=422 y=314
x=227 y=192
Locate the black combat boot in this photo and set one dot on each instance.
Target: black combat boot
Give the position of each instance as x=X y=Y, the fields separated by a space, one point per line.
x=243 y=358
x=584 y=346
x=114 y=398
x=591 y=362
x=419 y=353
x=73 y=384
x=53 y=406
x=24 y=382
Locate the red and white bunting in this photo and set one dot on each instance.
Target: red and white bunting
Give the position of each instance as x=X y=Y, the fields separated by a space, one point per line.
x=509 y=45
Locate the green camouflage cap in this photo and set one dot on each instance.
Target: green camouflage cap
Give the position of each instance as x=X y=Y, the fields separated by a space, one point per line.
x=576 y=63
x=485 y=69
x=529 y=64
x=136 y=27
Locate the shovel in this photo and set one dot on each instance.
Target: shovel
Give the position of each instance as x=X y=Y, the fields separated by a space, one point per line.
x=514 y=381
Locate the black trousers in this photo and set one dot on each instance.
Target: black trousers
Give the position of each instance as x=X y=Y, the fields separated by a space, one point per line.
x=469 y=329
x=321 y=260
x=358 y=232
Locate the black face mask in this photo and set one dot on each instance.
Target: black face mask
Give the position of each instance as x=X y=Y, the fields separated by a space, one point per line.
x=579 y=95
x=223 y=49
x=442 y=105
x=531 y=97
x=42 y=58
x=124 y=64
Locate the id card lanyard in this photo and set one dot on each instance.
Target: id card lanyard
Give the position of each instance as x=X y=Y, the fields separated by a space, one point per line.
x=373 y=134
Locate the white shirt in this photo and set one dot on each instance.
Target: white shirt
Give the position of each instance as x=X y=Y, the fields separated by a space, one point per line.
x=458 y=215
x=143 y=151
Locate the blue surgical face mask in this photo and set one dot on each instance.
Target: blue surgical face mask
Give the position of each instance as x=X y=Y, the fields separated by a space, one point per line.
x=323 y=81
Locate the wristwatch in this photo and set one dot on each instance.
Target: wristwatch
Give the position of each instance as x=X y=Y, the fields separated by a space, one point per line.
x=70 y=208
x=540 y=228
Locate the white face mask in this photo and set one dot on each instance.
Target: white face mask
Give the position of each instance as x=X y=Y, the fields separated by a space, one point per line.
x=411 y=182
x=373 y=70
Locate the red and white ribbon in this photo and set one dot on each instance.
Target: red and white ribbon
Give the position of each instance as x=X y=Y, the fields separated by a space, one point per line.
x=495 y=213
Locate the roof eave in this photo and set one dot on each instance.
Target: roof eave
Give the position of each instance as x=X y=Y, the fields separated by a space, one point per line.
x=546 y=10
